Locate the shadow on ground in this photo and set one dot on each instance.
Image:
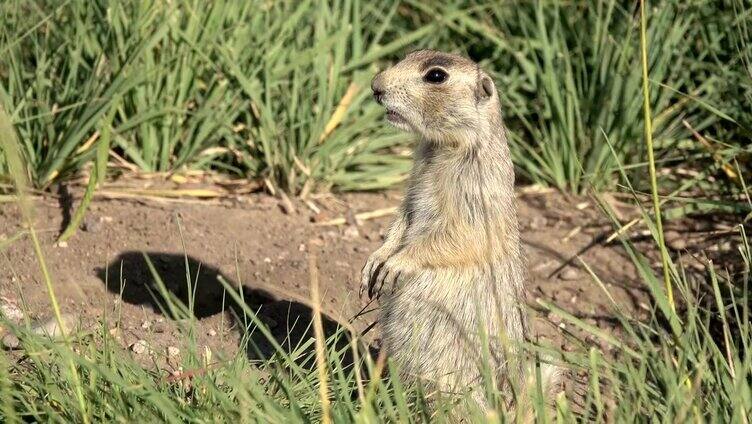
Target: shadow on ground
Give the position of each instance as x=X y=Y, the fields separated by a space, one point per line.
x=289 y=322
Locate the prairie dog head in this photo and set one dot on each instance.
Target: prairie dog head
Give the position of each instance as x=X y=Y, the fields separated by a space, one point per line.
x=444 y=97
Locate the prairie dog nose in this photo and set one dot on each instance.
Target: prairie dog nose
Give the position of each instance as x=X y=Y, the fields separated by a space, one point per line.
x=377 y=86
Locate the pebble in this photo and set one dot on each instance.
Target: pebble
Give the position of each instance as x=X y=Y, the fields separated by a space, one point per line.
x=10 y=311
x=538 y=222
x=139 y=347
x=569 y=273
x=726 y=246
x=351 y=233
x=211 y=332
x=554 y=318
x=115 y=332
x=62 y=244
x=675 y=240
x=146 y=325
x=11 y=342
x=172 y=351
x=91 y=224
x=49 y=328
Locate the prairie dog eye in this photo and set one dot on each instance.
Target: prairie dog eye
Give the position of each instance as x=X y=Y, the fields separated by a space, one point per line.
x=435 y=76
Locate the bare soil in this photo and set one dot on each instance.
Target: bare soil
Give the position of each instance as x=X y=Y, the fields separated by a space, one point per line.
x=262 y=244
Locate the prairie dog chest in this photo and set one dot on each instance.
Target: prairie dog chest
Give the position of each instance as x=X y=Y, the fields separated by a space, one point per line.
x=443 y=193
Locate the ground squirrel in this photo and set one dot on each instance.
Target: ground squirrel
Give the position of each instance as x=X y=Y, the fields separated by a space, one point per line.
x=451 y=263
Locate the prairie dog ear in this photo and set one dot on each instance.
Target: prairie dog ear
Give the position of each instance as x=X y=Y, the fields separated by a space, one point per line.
x=484 y=88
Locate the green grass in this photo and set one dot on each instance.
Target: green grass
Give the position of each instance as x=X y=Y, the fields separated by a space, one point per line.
x=252 y=88
x=240 y=87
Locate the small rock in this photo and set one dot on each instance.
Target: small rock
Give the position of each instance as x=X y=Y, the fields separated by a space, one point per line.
x=538 y=222
x=62 y=244
x=267 y=260
x=675 y=240
x=172 y=351
x=555 y=319
x=726 y=246
x=138 y=347
x=10 y=311
x=569 y=273
x=351 y=233
x=342 y=264
x=11 y=342
x=91 y=224
x=146 y=325
x=50 y=327
x=211 y=332
x=302 y=247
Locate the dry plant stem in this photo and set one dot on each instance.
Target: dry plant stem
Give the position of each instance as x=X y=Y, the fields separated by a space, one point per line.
x=653 y=181
x=363 y=216
x=319 y=332
x=651 y=156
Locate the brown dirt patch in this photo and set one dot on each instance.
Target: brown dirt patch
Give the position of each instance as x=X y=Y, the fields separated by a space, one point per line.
x=251 y=241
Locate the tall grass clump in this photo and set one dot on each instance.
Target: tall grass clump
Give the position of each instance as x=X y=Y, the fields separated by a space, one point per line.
x=580 y=64
x=569 y=76
x=266 y=90
x=279 y=91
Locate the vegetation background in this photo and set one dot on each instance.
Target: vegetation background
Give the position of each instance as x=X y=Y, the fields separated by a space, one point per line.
x=278 y=91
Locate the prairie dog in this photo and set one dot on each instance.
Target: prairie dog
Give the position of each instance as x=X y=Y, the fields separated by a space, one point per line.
x=450 y=273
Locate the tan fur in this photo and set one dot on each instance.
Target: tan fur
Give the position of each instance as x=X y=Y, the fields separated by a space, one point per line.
x=451 y=266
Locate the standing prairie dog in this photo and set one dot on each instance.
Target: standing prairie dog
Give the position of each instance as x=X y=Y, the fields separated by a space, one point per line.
x=450 y=274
